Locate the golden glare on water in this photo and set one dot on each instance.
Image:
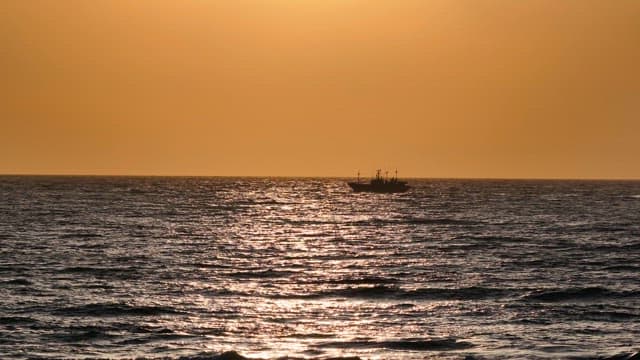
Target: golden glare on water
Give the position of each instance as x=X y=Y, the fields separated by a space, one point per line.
x=190 y=268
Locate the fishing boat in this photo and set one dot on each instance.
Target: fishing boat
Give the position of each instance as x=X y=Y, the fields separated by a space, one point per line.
x=380 y=184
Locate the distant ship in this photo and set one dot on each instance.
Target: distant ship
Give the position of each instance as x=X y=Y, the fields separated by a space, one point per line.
x=380 y=184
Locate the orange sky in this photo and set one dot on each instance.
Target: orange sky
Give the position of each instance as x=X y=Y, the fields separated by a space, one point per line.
x=434 y=88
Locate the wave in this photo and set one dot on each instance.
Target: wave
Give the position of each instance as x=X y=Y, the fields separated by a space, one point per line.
x=578 y=312
x=393 y=292
x=621 y=356
x=610 y=247
x=438 y=221
x=136 y=191
x=598 y=228
x=79 y=235
x=12 y=320
x=159 y=337
x=377 y=221
x=408 y=344
x=433 y=345
x=18 y=282
x=82 y=334
x=533 y=321
x=211 y=266
x=494 y=238
x=269 y=273
x=115 y=309
x=360 y=280
x=579 y=294
x=113 y=272
x=622 y=268
x=13 y=268
x=613 y=316
x=414 y=221
x=467 y=293
x=307 y=222
x=311 y=336
x=137 y=334
x=233 y=355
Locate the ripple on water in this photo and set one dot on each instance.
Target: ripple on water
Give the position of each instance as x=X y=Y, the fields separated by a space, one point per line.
x=166 y=267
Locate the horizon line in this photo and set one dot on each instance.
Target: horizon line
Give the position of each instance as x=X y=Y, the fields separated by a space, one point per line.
x=311 y=176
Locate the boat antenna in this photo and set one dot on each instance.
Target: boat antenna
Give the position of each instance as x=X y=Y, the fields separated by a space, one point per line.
x=358 y=175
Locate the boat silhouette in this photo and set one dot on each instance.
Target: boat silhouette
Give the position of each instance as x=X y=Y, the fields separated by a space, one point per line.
x=380 y=184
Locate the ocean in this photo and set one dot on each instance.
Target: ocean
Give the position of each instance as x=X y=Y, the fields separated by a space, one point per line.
x=192 y=268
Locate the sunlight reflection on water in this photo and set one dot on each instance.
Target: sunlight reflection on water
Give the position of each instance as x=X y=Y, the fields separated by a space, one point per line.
x=117 y=267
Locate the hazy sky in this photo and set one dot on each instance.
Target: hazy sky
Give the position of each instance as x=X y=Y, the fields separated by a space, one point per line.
x=434 y=88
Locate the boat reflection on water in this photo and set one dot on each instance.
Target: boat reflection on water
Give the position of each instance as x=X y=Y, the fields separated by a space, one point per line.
x=380 y=184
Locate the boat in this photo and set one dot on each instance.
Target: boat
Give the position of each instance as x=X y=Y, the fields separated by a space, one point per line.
x=380 y=185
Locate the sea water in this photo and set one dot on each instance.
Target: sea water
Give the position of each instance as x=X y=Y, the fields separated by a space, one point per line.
x=157 y=267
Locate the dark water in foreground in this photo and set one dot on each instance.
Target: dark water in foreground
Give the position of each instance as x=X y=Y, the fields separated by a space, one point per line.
x=170 y=267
